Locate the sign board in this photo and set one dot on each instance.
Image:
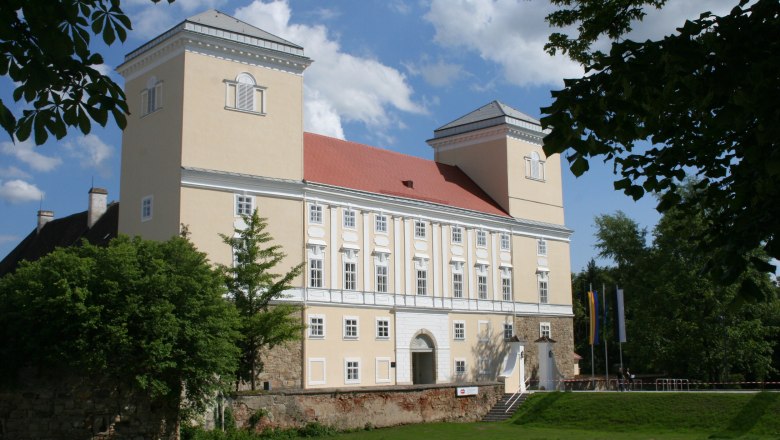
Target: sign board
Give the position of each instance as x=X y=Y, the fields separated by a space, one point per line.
x=466 y=391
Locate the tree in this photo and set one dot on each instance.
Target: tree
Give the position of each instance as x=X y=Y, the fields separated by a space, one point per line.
x=701 y=101
x=253 y=286
x=680 y=319
x=45 y=47
x=149 y=315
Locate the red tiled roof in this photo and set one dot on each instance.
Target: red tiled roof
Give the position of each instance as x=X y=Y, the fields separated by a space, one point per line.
x=356 y=166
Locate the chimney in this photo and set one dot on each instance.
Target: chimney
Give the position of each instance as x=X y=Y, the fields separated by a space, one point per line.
x=97 y=205
x=43 y=218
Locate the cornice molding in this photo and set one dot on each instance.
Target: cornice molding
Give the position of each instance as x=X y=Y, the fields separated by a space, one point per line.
x=486 y=135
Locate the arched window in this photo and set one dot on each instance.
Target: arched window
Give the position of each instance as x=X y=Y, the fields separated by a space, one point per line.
x=534 y=166
x=244 y=94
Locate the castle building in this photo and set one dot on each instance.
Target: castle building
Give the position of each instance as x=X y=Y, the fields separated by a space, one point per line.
x=417 y=271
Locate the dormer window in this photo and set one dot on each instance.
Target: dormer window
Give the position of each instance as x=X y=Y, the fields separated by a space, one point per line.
x=245 y=95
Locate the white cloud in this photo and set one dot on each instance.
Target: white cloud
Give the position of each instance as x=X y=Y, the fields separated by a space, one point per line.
x=340 y=87
x=18 y=191
x=25 y=152
x=512 y=34
x=13 y=172
x=91 y=152
x=151 y=19
x=400 y=6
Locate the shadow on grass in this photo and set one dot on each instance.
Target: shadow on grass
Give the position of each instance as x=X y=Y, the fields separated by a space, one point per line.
x=749 y=416
x=534 y=408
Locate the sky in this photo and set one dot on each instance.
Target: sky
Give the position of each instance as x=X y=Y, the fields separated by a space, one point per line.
x=385 y=73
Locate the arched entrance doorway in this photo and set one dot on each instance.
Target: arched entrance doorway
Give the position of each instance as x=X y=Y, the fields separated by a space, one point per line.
x=423 y=360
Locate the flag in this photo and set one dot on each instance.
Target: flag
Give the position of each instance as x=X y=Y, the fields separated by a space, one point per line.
x=621 y=316
x=593 y=303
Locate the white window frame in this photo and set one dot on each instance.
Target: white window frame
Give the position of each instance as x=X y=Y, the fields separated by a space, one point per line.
x=380 y=224
x=506 y=283
x=350 y=275
x=381 y=276
x=543 y=287
x=481 y=238
x=459 y=330
x=348 y=328
x=545 y=329
x=309 y=368
x=243 y=84
x=147 y=208
x=457 y=284
x=541 y=247
x=242 y=203
x=351 y=370
x=483 y=335
x=315 y=214
x=316 y=274
x=482 y=281
x=419 y=230
x=313 y=326
x=382 y=328
x=456 y=235
x=509 y=330
x=377 y=362
x=349 y=219
x=506 y=243
x=534 y=167
x=421 y=281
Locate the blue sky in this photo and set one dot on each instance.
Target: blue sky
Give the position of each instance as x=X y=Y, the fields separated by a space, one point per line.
x=385 y=73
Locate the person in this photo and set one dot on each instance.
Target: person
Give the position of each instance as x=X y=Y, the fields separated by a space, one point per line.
x=621 y=380
x=630 y=379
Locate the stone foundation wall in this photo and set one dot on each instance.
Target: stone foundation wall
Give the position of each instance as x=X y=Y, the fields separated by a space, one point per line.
x=562 y=330
x=357 y=408
x=77 y=408
x=282 y=366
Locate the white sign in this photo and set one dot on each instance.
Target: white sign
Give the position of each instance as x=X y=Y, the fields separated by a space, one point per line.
x=467 y=391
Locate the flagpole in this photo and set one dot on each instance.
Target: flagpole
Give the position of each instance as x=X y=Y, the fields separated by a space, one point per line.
x=592 y=358
x=604 y=331
x=620 y=338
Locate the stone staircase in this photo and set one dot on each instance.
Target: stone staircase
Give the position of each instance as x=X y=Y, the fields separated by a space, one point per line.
x=499 y=413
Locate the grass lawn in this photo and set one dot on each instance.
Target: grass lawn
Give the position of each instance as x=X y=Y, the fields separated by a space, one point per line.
x=614 y=416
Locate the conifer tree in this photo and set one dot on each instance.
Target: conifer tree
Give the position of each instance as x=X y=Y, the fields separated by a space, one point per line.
x=253 y=286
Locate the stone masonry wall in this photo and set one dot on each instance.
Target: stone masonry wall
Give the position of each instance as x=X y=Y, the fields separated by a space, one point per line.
x=76 y=408
x=282 y=366
x=357 y=408
x=562 y=331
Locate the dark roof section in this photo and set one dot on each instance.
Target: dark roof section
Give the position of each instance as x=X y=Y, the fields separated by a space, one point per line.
x=63 y=232
x=218 y=20
x=490 y=115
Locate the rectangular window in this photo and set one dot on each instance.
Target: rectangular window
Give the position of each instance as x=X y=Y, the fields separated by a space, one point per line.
x=146 y=208
x=419 y=229
x=457 y=285
x=541 y=247
x=315 y=273
x=483 y=330
x=422 y=282
x=506 y=283
x=459 y=330
x=382 y=328
x=545 y=330
x=460 y=367
x=350 y=327
x=457 y=235
x=381 y=278
x=315 y=214
x=482 y=286
x=151 y=99
x=380 y=223
x=349 y=219
x=244 y=204
x=542 y=281
x=350 y=276
x=505 y=243
x=484 y=365
x=316 y=326
x=481 y=239
x=508 y=330
x=352 y=371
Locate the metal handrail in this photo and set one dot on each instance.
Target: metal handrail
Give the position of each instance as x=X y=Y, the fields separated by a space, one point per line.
x=517 y=393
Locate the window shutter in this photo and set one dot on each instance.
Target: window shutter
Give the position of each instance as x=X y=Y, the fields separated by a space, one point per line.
x=158 y=96
x=245 y=96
